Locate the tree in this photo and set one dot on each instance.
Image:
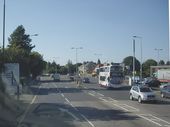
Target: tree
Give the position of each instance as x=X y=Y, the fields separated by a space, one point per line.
x=168 y=63
x=71 y=68
x=146 y=66
x=20 y=40
x=36 y=64
x=98 y=62
x=161 y=62
x=19 y=50
x=128 y=62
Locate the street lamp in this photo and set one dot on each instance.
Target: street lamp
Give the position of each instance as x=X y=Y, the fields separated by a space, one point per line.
x=133 y=60
x=76 y=48
x=34 y=35
x=3 y=47
x=140 y=55
x=158 y=50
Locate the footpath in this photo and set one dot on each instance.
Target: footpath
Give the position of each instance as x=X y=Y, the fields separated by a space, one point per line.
x=12 y=108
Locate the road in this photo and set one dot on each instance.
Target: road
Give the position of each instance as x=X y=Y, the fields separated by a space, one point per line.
x=63 y=104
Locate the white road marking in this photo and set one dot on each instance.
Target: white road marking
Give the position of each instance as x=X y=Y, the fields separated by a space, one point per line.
x=143 y=116
x=28 y=108
x=100 y=94
x=121 y=107
x=62 y=95
x=87 y=120
x=74 y=107
x=33 y=100
x=65 y=110
x=160 y=119
x=128 y=108
x=132 y=107
x=67 y=100
x=91 y=94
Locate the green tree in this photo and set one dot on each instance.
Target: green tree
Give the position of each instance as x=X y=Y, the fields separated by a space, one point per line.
x=20 y=40
x=70 y=67
x=128 y=62
x=19 y=50
x=36 y=64
x=98 y=62
x=161 y=62
x=168 y=63
x=146 y=66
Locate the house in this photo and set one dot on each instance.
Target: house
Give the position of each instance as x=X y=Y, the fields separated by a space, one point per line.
x=87 y=68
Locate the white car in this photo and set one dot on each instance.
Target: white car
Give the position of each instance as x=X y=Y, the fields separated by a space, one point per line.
x=142 y=93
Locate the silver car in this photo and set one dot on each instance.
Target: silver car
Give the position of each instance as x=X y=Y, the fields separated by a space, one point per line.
x=142 y=93
x=165 y=92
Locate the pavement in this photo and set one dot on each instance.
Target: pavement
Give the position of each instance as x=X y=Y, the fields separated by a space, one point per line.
x=62 y=104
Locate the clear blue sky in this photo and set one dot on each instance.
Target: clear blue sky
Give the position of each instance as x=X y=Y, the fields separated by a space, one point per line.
x=99 y=26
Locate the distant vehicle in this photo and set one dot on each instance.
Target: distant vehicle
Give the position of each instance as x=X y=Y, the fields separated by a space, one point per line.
x=163 y=75
x=111 y=76
x=152 y=82
x=86 y=80
x=165 y=92
x=142 y=93
x=55 y=77
x=164 y=85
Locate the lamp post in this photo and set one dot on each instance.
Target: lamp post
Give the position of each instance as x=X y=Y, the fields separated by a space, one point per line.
x=3 y=47
x=158 y=50
x=140 y=55
x=76 y=48
x=133 y=60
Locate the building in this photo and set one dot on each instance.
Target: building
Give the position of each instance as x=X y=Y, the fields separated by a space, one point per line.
x=87 y=68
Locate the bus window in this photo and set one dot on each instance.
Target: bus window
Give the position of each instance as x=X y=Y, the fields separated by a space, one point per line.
x=102 y=78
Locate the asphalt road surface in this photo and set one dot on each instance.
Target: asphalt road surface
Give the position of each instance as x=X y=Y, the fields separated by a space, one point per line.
x=57 y=104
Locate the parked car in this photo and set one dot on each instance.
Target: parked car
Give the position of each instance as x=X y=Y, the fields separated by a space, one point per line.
x=86 y=80
x=165 y=91
x=142 y=93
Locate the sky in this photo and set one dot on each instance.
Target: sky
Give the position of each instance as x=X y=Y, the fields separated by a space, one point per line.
x=103 y=28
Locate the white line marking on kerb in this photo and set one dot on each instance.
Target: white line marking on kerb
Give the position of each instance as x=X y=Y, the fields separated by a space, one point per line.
x=87 y=120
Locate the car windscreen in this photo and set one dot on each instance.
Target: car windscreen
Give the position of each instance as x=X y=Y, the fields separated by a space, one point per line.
x=145 y=89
